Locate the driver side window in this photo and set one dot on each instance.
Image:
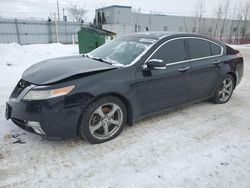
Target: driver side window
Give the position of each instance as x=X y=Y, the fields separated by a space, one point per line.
x=171 y=52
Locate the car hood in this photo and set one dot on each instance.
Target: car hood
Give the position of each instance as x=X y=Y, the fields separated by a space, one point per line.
x=54 y=70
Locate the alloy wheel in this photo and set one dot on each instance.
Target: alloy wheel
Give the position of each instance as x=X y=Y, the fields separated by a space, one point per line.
x=226 y=90
x=106 y=121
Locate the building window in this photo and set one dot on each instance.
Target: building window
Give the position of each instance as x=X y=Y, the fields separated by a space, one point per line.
x=165 y=28
x=210 y=30
x=194 y=29
x=180 y=29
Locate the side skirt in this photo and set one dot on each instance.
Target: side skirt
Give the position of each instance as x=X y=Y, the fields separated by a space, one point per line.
x=170 y=109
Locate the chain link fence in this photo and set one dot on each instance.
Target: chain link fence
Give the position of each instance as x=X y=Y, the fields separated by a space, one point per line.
x=38 y=32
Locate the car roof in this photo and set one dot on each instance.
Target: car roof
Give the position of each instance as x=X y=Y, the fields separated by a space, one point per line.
x=151 y=34
x=157 y=35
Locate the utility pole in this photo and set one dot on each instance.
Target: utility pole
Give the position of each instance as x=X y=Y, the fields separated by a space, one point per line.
x=200 y=15
x=198 y=24
x=56 y=28
x=65 y=26
x=150 y=19
x=58 y=14
x=139 y=15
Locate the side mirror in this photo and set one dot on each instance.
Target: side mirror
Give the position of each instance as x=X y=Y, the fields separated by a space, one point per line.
x=156 y=64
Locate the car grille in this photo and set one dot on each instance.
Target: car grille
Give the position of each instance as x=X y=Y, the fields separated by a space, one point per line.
x=20 y=123
x=22 y=84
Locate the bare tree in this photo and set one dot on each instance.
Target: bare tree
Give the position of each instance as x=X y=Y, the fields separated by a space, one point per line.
x=245 y=17
x=185 y=24
x=103 y=18
x=200 y=14
x=77 y=12
x=225 y=10
x=218 y=17
x=99 y=19
x=232 y=24
x=237 y=29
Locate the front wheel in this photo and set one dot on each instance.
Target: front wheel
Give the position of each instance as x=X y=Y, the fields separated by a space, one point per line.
x=224 y=90
x=103 y=120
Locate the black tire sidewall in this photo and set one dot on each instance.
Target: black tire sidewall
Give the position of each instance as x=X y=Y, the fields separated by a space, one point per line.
x=87 y=113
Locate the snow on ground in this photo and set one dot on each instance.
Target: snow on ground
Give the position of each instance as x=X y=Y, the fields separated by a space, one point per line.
x=241 y=46
x=202 y=145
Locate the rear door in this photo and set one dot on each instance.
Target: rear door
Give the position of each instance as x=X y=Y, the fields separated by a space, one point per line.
x=205 y=57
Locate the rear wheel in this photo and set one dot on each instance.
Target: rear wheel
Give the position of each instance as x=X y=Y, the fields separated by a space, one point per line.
x=224 y=90
x=103 y=120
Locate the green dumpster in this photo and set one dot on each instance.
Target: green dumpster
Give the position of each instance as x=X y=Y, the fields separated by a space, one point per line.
x=89 y=38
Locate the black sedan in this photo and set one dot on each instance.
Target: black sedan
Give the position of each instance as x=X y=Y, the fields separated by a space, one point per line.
x=97 y=94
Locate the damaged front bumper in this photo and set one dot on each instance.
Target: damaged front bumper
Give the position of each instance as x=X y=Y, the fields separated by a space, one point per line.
x=55 y=118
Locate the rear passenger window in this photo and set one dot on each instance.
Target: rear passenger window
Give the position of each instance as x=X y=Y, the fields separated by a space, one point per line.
x=215 y=49
x=199 y=48
x=173 y=51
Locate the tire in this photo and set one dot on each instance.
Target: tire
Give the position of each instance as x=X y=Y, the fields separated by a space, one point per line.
x=226 y=86
x=103 y=120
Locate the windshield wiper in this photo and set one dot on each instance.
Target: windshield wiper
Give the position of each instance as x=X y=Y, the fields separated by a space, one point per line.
x=108 y=61
x=98 y=59
x=103 y=60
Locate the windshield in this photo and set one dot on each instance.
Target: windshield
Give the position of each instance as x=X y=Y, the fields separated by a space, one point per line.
x=122 y=51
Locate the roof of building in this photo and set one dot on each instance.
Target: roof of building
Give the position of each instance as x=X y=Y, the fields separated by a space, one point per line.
x=115 y=6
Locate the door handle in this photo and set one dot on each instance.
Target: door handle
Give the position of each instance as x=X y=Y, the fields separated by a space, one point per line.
x=217 y=62
x=185 y=69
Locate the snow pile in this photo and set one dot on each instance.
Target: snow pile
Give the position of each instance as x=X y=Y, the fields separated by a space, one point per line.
x=15 y=54
x=14 y=59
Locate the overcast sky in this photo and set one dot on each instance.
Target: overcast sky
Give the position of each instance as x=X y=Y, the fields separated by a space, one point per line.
x=42 y=8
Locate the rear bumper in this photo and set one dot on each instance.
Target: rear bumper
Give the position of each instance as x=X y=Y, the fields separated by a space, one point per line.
x=57 y=119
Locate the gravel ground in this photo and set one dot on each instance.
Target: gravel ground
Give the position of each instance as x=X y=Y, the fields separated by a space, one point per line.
x=202 y=145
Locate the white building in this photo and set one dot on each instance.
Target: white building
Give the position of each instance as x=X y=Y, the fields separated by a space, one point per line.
x=122 y=20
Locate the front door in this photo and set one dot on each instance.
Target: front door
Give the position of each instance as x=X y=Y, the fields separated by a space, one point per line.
x=158 y=89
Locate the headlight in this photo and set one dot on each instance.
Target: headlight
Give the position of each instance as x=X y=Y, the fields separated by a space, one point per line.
x=47 y=94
